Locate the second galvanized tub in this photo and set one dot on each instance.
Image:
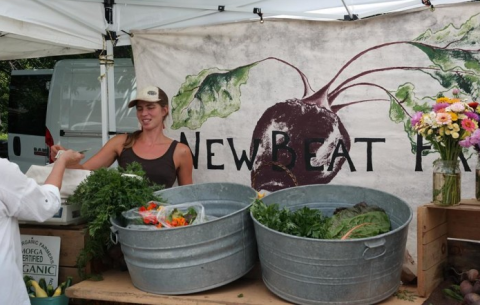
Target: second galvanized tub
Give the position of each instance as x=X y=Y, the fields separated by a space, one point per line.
x=200 y=257
x=319 y=271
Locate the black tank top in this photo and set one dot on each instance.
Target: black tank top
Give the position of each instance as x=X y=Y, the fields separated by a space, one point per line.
x=160 y=171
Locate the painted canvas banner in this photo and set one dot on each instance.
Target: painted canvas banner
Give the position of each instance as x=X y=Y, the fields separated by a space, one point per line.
x=292 y=102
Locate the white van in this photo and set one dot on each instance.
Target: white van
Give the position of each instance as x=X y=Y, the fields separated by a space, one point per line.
x=63 y=106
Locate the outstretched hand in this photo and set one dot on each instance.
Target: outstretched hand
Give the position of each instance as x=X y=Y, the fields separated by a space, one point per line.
x=54 y=149
x=70 y=157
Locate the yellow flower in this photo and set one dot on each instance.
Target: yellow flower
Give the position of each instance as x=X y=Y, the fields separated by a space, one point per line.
x=455 y=135
x=454 y=116
x=443 y=100
x=260 y=195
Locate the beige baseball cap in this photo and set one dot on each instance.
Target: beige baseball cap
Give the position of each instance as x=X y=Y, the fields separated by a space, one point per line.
x=150 y=94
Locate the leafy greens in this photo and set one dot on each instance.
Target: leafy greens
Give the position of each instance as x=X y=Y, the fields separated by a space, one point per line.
x=106 y=193
x=359 y=221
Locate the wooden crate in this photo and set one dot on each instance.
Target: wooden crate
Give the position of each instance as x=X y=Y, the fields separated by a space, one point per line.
x=434 y=226
x=72 y=241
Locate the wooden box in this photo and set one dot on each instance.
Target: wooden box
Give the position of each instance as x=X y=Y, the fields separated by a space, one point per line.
x=72 y=241
x=435 y=226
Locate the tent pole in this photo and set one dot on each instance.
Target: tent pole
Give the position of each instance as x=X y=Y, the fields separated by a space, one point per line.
x=112 y=124
x=107 y=77
x=104 y=98
x=348 y=11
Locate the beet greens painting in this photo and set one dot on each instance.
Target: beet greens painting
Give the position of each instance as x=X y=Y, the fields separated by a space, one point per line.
x=310 y=124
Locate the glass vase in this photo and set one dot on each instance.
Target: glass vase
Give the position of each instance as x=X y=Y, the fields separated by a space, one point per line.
x=477 y=178
x=446 y=182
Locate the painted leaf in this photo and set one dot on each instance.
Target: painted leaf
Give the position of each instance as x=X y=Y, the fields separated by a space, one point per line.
x=406 y=96
x=469 y=84
x=451 y=47
x=210 y=93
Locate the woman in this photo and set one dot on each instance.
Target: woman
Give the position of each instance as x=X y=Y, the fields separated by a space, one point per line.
x=21 y=197
x=164 y=160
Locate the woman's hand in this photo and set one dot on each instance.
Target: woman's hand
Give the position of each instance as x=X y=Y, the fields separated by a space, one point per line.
x=70 y=157
x=54 y=150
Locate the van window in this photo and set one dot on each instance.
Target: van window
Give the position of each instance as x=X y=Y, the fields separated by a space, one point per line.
x=27 y=105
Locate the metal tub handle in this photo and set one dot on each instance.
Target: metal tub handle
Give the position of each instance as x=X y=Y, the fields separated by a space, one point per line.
x=374 y=249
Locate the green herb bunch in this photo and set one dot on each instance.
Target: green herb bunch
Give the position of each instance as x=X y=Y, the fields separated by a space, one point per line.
x=106 y=193
x=304 y=222
x=358 y=221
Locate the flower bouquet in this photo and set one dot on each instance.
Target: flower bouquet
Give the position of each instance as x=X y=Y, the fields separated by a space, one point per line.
x=449 y=126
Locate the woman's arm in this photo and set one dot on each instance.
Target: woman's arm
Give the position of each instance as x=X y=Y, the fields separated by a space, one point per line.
x=104 y=158
x=107 y=154
x=183 y=157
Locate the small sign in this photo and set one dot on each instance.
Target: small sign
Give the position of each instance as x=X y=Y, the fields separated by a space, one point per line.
x=41 y=255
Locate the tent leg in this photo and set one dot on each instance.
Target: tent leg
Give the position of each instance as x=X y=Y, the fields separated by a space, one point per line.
x=112 y=122
x=104 y=98
x=107 y=84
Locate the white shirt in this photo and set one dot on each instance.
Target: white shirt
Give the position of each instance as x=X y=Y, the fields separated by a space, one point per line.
x=20 y=197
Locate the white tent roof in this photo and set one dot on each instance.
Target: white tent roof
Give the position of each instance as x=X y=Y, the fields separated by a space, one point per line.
x=38 y=28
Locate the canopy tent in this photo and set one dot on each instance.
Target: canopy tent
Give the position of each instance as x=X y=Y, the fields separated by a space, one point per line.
x=39 y=28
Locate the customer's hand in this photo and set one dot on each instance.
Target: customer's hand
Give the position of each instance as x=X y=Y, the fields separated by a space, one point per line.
x=70 y=157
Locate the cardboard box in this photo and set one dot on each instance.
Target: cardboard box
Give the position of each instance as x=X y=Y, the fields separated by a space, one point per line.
x=66 y=215
x=439 y=230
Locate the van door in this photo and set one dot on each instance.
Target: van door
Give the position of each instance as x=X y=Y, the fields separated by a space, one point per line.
x=74 y=109
x=27 y=106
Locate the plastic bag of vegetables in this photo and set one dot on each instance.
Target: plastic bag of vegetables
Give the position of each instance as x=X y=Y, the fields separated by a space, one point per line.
x=144 y=217
x=179 y=215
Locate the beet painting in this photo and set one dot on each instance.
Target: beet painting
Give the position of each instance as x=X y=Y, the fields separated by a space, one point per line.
x=303 y=141
x=296 y=102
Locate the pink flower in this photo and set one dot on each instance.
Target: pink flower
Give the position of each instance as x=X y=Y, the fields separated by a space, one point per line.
x=457 y=107
x=455 y=91
x=472 y=115
x=465 y=143
x=475 y=137
x=443 y=118
x=440 y=106
x=468 y=125
x=416 y=118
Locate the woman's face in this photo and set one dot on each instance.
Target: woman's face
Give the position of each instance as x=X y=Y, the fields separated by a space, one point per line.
x=150 y=115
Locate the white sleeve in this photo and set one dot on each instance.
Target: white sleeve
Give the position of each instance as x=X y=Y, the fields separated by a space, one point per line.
x=23 y=198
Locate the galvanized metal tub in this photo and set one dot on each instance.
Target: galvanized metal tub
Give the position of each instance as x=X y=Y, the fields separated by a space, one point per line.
x=200 y=257
x=319 y=271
